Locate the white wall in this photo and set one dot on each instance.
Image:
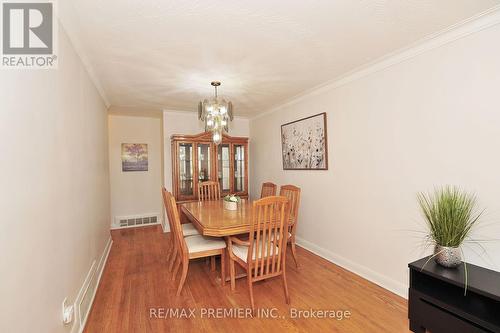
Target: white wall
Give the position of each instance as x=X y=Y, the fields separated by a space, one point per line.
x=176 y=122
x=430 y=120
x=138 y=192
x=55 y=190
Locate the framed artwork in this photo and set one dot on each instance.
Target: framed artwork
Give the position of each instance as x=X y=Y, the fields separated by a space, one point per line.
x=304 y=144
x=134 y=157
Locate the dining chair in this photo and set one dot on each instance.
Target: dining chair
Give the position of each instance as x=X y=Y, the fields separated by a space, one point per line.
x=209 y=190
x=293 y=194
x=192 y=247
x=188 y=229
x=260 y=256
x=268 y=189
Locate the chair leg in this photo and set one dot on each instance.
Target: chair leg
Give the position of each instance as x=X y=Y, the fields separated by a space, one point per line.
x=173 y=257
x=176 y=269
x=250 y=288
x=285 y=286
x=212 y=263
x=185 y=266
x=232 y=273
x=172 y=250
x=223 y=267
x=169 y=252
x=294 y=251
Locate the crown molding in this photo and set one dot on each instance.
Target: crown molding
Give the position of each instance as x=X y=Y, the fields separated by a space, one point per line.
x=114 y=110
x=474 y=24
x=69 y=23
x=178 y=112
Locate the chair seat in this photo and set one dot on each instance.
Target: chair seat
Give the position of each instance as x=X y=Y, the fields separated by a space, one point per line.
x=241 y=251
x=199 y=243
x=188 y=229
x=278 y=236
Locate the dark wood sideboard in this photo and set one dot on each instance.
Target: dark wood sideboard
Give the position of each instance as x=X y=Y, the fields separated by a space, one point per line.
x=437 y=303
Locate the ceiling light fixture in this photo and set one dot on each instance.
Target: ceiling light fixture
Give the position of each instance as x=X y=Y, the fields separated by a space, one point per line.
x=216 y=112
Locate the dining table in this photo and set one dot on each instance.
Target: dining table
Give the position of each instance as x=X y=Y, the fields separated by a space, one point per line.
x=211 y=218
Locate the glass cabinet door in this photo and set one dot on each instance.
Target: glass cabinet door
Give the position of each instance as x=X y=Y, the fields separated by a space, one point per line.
x=185 y=169
x=204 y=162
x=223 y=167
x=239 y=168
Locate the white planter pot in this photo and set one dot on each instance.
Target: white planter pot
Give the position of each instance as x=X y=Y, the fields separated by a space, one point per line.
x=229 y=205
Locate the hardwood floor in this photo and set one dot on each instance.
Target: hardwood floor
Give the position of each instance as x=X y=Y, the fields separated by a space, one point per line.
x=136 y=292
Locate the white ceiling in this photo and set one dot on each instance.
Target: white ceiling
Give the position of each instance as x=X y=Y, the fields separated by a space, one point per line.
x=160 y=54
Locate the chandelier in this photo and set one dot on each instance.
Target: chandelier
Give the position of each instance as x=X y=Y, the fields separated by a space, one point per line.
x=216 y=112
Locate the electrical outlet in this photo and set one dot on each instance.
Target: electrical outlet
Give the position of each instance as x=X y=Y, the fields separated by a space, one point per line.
x=67 y=312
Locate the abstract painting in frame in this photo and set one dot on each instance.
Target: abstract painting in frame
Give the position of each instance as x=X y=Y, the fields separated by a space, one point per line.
x=134 y=157
x=304 y=144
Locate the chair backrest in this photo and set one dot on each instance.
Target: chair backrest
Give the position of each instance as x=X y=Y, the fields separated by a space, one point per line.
x=268 y=234
x=209 y=190
x=175 y=223
x=165 y=195
x=268 y=189
x=293 y=194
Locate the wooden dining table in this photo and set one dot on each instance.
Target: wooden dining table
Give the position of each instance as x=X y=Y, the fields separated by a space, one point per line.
x=211 y=219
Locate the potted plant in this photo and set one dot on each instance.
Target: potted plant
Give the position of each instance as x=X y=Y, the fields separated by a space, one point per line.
x=231 y=202
x=450 y=214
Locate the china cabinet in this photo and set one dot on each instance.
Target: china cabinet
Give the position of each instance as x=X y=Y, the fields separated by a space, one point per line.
x=195 y=159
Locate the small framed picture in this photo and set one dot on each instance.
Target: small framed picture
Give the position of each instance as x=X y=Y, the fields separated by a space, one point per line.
x=134 y=157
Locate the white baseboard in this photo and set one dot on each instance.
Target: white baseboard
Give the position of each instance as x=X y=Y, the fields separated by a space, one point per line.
x=385 y=282
x=94 y=275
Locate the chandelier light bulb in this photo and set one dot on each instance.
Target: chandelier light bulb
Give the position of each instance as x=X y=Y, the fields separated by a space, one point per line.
x=217 y=137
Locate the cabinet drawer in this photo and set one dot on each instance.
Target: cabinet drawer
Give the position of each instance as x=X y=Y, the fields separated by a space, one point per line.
x=424 y=313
